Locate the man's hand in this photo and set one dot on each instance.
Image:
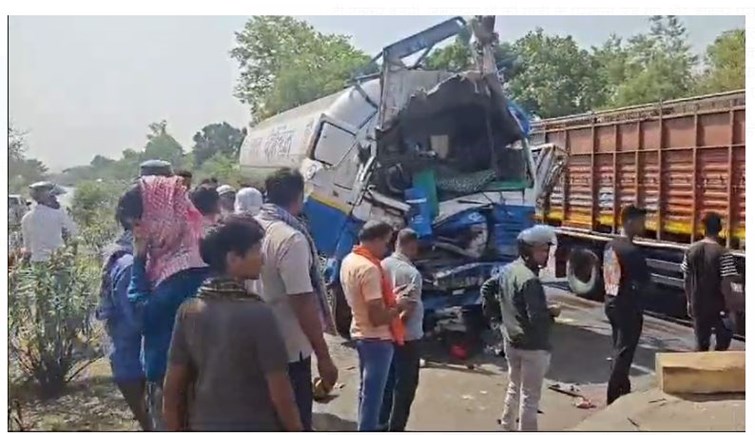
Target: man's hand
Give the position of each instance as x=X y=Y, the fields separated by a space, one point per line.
x=328 y=372
x=689 y=310
x=404 y=301
x=555 y=310
x=140 y=241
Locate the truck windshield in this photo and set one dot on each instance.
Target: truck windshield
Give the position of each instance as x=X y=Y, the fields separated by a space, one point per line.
x=459 y=137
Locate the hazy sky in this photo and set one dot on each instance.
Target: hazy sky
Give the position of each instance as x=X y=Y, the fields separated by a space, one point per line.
x=83 y=86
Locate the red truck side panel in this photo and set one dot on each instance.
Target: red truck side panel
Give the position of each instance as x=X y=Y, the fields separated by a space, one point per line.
x=679 y=159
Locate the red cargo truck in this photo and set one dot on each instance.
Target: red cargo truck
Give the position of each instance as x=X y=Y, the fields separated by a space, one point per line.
x=678 y=159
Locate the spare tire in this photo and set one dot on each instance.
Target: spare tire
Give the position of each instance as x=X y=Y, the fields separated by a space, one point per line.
x=584 y=274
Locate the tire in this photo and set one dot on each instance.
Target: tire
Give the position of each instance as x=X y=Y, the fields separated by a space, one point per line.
x=584 y=274
x=341 y=311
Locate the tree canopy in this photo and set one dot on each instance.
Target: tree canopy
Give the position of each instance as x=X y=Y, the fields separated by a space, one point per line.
x=213 y=139
x=285 y=62
x=725 y=63
x=22 y=171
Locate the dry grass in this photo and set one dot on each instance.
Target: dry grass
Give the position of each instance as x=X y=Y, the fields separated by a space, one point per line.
x=90 y=403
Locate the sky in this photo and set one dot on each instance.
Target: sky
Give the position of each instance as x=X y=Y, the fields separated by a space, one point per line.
x=81 y=86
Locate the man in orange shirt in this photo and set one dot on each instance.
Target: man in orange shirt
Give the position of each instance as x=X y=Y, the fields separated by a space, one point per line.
x=376 y=324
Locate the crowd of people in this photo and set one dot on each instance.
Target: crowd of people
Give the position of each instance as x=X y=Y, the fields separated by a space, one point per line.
x=215 y=306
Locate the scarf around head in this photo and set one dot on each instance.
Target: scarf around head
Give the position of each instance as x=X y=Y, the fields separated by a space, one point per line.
x=389 y=298
x=173 y=227
x=271 y=213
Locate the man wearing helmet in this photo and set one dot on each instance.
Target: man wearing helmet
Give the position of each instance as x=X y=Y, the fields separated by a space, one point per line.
x=44 y=226
x=526 y=323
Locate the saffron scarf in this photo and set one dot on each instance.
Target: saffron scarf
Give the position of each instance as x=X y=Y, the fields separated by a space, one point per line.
x=173 y=227
x=389 y=298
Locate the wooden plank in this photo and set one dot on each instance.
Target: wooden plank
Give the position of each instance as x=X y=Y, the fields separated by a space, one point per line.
x=701 y=372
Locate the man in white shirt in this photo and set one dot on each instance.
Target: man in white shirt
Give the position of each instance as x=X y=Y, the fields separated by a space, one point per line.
x=45 y=225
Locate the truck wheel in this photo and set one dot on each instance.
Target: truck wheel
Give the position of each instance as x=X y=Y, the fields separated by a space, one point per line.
x=341 y=311
x=584 y=274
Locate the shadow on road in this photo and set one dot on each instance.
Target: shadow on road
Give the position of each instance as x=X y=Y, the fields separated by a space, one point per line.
x=582 y=356
x=324 y=422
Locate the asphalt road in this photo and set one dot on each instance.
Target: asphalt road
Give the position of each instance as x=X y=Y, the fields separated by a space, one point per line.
x=468 y=395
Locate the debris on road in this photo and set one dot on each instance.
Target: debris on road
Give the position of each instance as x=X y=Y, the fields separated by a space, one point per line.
x=569 y=390
x=584 y=403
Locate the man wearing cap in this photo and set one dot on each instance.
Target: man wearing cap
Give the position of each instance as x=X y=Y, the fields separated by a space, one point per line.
x=626 y=277
x=709 y=271
x=155 y=167
x=403 y=377
x=526 y=324
x=44 y=226
x=227 y=199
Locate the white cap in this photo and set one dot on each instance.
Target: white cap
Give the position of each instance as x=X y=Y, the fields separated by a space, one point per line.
x=42 y=185
x=249 y=200
x=538 y=235
x=222 y=190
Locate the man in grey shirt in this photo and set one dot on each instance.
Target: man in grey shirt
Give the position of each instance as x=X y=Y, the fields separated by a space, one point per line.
x=286 y=285
x=404 y=375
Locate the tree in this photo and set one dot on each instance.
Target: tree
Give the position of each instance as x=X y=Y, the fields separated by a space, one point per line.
x=611 y=58
x=457 y=56
x=659 y=65
x=275 y=53
x=555 y=77
x=21 y=170
x=725 y=63
x=101 y=162
x=16 y=145
x=161 y=145
x=222 y=167
x=215 y=139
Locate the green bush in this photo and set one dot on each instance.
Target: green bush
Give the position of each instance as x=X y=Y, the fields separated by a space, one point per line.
x=51 y=334
x=92 y=200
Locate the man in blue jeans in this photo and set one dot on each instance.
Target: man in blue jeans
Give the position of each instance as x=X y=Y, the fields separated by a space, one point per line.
x=376 y=323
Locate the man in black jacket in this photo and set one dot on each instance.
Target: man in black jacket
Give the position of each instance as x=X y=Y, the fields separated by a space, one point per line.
x=526 y=323
x=626 y=277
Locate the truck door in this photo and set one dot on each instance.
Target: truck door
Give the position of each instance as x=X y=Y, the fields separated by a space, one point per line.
x=336 y=148
x=393 y=82
x=549 y=163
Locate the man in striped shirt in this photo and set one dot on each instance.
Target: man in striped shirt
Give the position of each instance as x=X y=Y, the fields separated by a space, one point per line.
x=708 y=271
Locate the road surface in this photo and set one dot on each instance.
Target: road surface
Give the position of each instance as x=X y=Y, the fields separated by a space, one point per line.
x=468 y=396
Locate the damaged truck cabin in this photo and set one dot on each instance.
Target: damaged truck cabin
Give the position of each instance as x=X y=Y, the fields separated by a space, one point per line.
x=443 y=153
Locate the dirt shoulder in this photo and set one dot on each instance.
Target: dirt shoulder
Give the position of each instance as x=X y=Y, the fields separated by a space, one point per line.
x=658 y=412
